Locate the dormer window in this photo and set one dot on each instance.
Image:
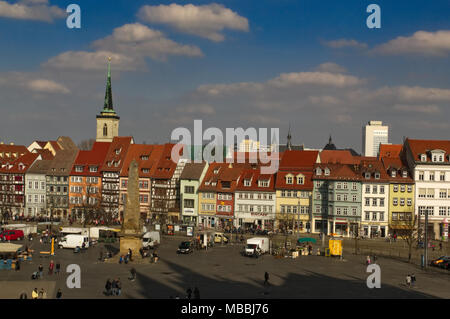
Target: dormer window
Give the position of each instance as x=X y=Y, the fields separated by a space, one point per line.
x=327 y=171
x=207 y=183
x=145 y=170
x=318 y=171
x=144 y=158
x=404 y=173
x=300 y=180
x=423 y=157
x=393 y=173
x=216 y=171
x=78 y=168
x=366 y=175
x=289 y=180
x=263 y=183
x=93 y=169
x=118 y=151
x=247 y=182
x=377 y=175
x=214 y=183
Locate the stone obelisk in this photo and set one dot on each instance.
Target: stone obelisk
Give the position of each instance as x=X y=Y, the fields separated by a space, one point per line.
x=131 y=232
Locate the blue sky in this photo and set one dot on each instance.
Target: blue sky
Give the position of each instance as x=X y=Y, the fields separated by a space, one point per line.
x=313 y=64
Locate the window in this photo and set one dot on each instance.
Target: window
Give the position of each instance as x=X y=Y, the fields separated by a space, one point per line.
x=189 y=189
x=354 y=211
x=354 y=198
x=327 y=171
x=402 y=202
x=338 y=211
x=354 y=186
x=395 y=188
x=374 y=202
x=409 y=201
x=367 y=175
x=443 y=193
x=345 y=211
x=318 y=183
x=105 y=130
x=375 y=189
x=409 y=188
x=367 y=189
x=289 y=180
x=78 y=168
x=381 y=216
x=374 y=216
x=442 y=177
x=247 y=182
x=430 y=192
x=442 y=211
x=264 y=183
x=339 y=185
x=421 y=176
x=381 y=202
x=345 y=197
x=394 y=216
x=367 y=201
x=300 y=180
x=404 y=174
x=377 y=175
x=381 y=189
x=395 y=201
x=431 y=176
x=367 y=216
x=393 y=173
x=188 y=203
x=318 y=171
x=423 y=157
x=338 y=197
x=345 y=185
x=402 y=188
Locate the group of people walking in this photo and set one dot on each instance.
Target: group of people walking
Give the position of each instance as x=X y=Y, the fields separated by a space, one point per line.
x=113 y=287
x=52 y=267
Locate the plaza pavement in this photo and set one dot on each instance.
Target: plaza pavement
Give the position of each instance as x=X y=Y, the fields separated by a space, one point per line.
x=221 y=272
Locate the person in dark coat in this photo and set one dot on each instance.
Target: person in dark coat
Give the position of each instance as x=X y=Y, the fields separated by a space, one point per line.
x=59 y=294
x=108 y=287
x=266 y=278
x=196 y=293
x=189 y=293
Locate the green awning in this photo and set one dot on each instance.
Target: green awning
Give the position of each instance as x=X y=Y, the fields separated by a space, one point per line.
x=306 y=239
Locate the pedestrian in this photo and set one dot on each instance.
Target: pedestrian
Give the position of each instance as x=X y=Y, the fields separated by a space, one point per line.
x=118 y=287
x=23 y=295
x=196 y=293
x=130 y=253
x=266 y=278
x=41 y=294
x=374 y=259
x=440 y=246
x=114 y=287
x=59 y=294
x=108 y=287
x=121 y=259
x=133 y=274
x=41 y=270
x=189 y=293
x=50 y=267
x=368 y=260
x=408 y=280
x=34 y=294
x=58 y=268
x=413 y=279
x=310 y=249
x=18 y=265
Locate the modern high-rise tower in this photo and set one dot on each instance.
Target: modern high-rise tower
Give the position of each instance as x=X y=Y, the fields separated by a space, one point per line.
x=374 y=133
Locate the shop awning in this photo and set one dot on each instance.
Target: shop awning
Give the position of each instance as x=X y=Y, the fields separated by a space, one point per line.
x=9 y=248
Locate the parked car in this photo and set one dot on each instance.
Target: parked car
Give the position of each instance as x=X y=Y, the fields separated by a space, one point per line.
x=185 y=247
x=441 y=262
x=12 y=235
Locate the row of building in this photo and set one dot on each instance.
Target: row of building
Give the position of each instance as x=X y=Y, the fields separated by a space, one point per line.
x=331 y=191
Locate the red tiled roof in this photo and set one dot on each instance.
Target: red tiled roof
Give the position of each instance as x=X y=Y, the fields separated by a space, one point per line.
x=113 y=162
x=390 y=150
x=227 y=173
x=339 y=172
x=45 y=153
x=338 y=157
x=418 y=147
x=298 y=159
x=165 y=167
x=145 y=155
x=307 y=181
x=93 y=158
x=254 y=175
x=19 y=165
x=399 y=166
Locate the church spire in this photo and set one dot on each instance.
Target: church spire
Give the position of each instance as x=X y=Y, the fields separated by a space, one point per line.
x=108 y=94
x=289 y=144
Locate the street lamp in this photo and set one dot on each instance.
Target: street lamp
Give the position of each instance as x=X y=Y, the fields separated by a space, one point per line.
x=426 y=238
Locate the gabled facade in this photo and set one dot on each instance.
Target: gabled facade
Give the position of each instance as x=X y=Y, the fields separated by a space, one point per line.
x=36 y=188
x=294 y=190
x=429 y=162
x=336 y=200
x=192 y=175
x=255 y=200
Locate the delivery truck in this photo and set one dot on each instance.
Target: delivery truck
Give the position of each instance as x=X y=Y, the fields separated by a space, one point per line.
x=74 y=241
x=256 y=246
x=151 y=239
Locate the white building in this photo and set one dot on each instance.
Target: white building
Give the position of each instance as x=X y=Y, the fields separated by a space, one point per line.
x=255 y=201
x=430 y=162
x=374 y=134
x=375 y=199
x=35 y=188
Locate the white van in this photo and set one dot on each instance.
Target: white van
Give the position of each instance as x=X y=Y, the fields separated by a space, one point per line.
x=151 y=239
x=73 y=241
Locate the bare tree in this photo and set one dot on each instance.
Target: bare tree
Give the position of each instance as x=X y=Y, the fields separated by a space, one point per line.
x=410 y=234
x=86 y=145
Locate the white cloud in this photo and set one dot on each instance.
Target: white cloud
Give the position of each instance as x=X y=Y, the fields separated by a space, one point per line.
x=207 y=21
x=47 y=86
x=413 y=94
x=196 y=109
x=425 y=109
x=139 y=41
x=128 y=47
x=331 y=68
x=315 y=78
x=38 y=10
x=345 y=43
x=83 y=60
x=421 y=43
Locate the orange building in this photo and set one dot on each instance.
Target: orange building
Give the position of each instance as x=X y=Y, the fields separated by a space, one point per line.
x=86 y=180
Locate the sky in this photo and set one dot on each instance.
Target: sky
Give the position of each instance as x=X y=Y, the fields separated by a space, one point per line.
x=313 y=65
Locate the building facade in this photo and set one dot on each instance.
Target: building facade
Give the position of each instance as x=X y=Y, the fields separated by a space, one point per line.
x=374 y=134
x=190 y=179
